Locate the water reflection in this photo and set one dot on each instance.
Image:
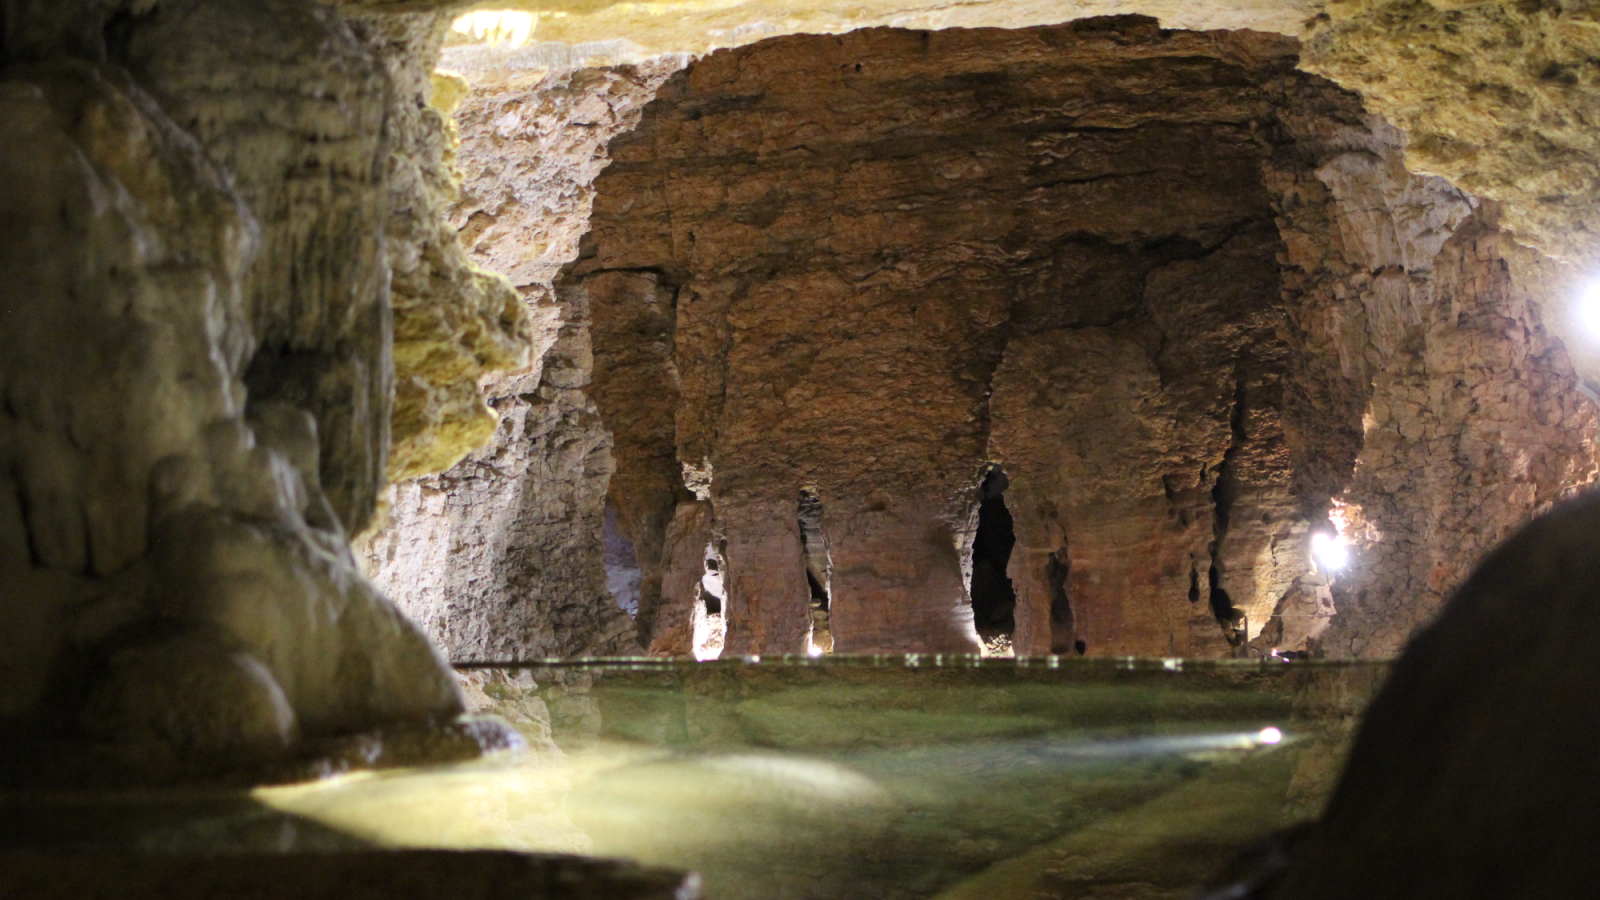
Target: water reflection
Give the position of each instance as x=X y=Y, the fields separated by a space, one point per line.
x=844 y=779
x=855 y=780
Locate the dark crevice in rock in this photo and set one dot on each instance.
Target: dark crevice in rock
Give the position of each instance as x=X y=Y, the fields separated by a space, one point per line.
x=1223 y=495
x=26 y=520
x=818 y=566
x=994 y=599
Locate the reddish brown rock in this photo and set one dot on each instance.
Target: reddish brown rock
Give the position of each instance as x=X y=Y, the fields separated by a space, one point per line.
x=849 y=251
x=1166 y=282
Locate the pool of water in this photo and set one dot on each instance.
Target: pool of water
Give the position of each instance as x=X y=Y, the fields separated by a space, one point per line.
x=882 y=778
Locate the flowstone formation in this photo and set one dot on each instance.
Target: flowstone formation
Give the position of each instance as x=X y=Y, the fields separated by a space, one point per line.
x=501 y=556
x=196 y=366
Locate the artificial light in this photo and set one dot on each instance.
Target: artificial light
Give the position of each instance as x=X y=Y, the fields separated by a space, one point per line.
x=1330 y=551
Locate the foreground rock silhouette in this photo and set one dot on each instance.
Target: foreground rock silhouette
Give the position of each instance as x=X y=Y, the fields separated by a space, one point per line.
x=1472 y=774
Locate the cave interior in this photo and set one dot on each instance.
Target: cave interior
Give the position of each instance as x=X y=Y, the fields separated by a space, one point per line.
x=775 y=414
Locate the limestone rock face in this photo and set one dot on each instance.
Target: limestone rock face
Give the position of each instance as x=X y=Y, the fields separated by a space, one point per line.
x=299 y=120
x=674 y=26
x=868 y=286
x=1496 y=97
x=500 y=557
x=454 y=321
x=1432 y=369
x=1190 y=299
x=376 y=153
x=865 y=266
x=194 y=364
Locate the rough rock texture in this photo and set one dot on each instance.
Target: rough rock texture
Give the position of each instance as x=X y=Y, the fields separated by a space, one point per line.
x=312 y=171
x=1130 y=457
x=196 y=379
x=638 y=31
x=1466 y=778
x=323 y=284
x=864 y=267
x=501 y=556
x=813 y=254
x=1500 y=98
x=1321 y=369
x=453 y=321
x=1431 y=366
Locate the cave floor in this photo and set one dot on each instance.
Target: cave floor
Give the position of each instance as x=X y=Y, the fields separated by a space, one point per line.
x=866 y=778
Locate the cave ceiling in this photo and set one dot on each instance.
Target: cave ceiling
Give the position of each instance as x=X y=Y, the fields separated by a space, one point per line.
x=1497 y=97
x=700 y=26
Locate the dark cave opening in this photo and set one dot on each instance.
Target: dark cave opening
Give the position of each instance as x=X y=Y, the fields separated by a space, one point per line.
x=994 y=599
x=818 y=568
x=819 y=594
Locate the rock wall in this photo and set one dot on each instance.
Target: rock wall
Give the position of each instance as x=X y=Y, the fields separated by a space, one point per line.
x=1245 y=235
x=196 y=369
x=866 y=266
x=453 y=321
x=501 y=556
x=1495 y=97
x=1191 y=300
x=1458 y=411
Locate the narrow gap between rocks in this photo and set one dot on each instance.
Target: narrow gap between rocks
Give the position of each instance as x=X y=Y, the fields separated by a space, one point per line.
x=814 y=546
x=994 y=599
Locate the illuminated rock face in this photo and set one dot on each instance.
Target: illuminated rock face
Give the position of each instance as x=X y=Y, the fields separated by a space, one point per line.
x=197 y=378
x=1244 y=235
x=1434 y=369
x=1188 y=298
x=1496 y=97
x=865 y=266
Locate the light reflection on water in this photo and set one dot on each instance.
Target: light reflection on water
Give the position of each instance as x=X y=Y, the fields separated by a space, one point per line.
x=845 y=781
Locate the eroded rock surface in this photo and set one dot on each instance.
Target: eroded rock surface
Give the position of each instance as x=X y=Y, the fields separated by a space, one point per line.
x=501 y=556
x=197 y=378
x=1449 y=791
x=814 y=253
x=1189 y=298
x=1432 y=370
x=453 y=321
x=1496 y=97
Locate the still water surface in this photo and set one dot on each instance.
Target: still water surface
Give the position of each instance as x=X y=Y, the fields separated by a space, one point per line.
x=878 y=778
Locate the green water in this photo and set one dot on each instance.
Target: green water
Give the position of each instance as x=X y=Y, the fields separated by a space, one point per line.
x=885 y=778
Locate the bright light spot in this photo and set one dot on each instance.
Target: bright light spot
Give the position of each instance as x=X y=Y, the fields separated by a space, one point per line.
x=814 y=651
x=1587 y=309
x=495 y=26
x=1269 y=735
x=1330 y=550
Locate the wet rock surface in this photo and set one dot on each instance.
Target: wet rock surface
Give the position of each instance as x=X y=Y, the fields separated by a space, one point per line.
x=197 y=375
x=478 y=875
